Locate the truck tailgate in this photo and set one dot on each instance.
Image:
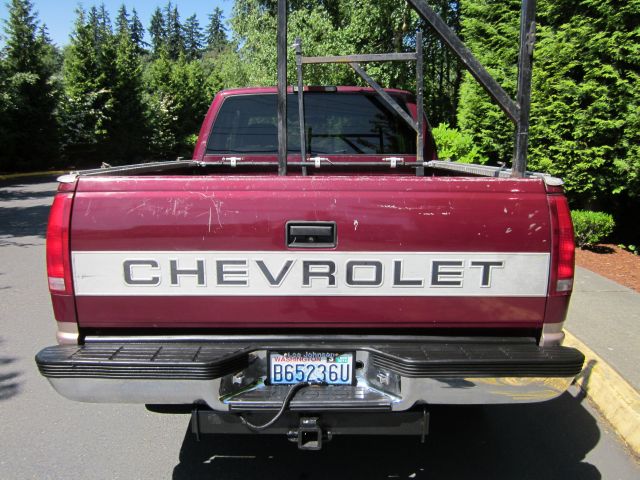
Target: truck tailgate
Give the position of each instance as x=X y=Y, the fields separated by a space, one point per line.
x=213 y=252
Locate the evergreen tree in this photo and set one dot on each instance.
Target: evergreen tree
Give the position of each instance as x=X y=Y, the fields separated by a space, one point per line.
x=52 y=58
x=103 y=114
x=254 y=25
x=99 y=26
x=127 y=128
x=175 y=37
x=107 y=79
x=157 y=31
x=178 y=95
x=81 y=68
x=23 y=47
x=28 y=125
x=192 y=37
x=93 y=26
x=491 y=30
x=122 y=21
x=86 y=109
x=137 y=32
x=216 y=34
x=341 y=27
x=587 y=97
x=161 y=111
x=103 y=20
x=586 y=94
x=43 y=35
x=5 y=102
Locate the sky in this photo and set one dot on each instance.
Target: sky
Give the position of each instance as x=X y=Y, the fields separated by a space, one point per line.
x=59 y=15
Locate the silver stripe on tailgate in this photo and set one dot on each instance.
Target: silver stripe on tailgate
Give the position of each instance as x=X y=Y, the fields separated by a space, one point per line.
x=302 y=273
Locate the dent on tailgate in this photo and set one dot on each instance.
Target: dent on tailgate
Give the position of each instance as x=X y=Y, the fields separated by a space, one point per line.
x=210 y=252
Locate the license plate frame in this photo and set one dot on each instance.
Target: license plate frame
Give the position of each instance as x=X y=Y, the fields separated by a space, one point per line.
x=298 y=358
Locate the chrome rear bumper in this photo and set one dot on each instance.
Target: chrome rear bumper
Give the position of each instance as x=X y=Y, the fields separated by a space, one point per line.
x=392 y=376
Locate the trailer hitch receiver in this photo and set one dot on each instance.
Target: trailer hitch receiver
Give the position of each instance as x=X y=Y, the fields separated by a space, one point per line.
x=309 y=435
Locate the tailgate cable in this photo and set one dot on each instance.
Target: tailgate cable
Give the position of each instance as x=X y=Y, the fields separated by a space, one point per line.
x=292 y=391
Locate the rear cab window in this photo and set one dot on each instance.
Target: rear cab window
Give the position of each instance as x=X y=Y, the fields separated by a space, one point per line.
x=335 y=124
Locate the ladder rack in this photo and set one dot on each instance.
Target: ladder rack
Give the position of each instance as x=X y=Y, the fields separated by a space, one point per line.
x=517 y=111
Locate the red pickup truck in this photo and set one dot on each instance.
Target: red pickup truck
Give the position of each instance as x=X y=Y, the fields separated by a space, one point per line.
x=344 y=297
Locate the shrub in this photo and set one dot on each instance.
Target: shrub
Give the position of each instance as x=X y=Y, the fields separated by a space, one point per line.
x=452 y=144
x=629 y=248
x=591 y=227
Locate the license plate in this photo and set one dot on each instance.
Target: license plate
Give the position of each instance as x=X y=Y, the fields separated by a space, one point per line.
x=332 y=368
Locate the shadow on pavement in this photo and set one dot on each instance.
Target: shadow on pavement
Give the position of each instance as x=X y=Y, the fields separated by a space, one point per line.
x=536 y=441
x=15 y=193
x=23 y=222
x=20 y=182
x=9 y=384
x=24 y=208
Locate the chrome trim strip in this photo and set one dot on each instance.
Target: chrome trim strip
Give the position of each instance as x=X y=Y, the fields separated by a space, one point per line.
x=133 y=169
x=466 y=391
x=552 y=334
x=100 y=390
x=489 y=171
x=461 y=391
x=67 y=333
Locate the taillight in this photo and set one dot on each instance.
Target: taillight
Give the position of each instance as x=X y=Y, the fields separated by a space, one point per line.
x=58 y=259
x=563 y=246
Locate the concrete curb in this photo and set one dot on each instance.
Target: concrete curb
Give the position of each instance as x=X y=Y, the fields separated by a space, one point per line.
x=618 y=401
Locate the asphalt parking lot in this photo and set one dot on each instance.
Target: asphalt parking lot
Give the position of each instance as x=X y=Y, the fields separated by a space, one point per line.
x=46 y=436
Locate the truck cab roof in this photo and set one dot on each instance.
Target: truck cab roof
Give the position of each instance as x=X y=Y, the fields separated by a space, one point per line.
x=310 y=88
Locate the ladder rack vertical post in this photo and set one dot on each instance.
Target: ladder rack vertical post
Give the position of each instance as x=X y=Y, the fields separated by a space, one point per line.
x=419 y=101
x=303 y=136
x=525 y=60
x=282 y=87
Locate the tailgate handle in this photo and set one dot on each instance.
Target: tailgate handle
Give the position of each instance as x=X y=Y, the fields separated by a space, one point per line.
x=311 y=234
